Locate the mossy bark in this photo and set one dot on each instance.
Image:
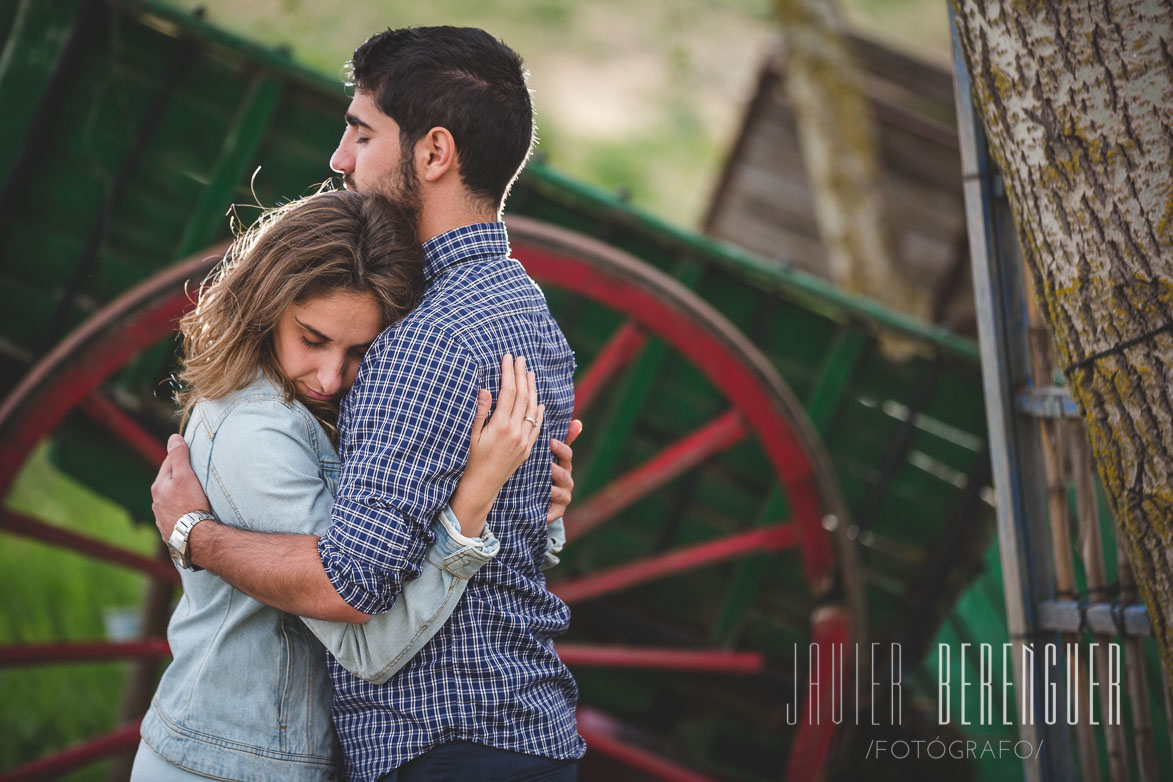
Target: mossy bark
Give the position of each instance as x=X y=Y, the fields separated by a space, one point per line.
x=1077 y=101
x=836 y=134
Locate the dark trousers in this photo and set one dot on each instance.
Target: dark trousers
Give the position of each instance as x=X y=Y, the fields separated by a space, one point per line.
x=463 y=761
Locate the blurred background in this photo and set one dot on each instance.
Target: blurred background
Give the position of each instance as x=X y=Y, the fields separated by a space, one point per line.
x=643 y=100
x=644 y=97
x=719 y=146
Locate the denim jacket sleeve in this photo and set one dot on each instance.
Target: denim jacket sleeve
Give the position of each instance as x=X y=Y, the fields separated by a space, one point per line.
x=555 y=540
x=264 y=467
x=375 y=651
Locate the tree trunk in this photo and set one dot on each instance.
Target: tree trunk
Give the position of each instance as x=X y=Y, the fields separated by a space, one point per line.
x=836 y=135
x=1077 y=101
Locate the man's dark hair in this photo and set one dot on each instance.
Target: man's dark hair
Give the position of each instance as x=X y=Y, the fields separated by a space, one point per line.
x=459 y=78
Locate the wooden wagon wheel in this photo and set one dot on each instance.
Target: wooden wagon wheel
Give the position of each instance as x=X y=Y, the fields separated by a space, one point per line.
x=654 y=307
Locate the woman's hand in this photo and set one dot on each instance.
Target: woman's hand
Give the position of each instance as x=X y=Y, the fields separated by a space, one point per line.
x=560 y=477
x=500 y=446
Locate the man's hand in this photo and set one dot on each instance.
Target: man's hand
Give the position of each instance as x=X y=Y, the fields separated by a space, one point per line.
x=281 y=570
x=176 y=489
x=563 y=483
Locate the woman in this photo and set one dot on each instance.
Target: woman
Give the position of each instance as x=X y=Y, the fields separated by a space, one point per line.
x=275 y=342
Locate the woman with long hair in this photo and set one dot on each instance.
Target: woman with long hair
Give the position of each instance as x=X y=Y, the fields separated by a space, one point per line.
x=274 y=343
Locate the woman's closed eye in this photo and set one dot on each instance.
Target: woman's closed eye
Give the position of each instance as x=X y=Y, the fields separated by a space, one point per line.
x=310 y=344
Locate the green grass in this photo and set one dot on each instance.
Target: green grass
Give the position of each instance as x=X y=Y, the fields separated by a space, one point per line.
x=52 y=594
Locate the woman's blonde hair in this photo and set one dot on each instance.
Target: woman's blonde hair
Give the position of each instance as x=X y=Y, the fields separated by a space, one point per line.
x=331 y=241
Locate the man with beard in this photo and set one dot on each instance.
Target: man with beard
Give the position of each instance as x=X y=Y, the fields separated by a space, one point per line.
x=441 y=119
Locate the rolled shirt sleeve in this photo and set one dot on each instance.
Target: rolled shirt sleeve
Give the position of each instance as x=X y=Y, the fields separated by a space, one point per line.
x=375 y=651
x=405 y=434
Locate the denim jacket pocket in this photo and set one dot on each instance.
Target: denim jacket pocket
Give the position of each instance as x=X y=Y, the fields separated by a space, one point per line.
x=331 y=472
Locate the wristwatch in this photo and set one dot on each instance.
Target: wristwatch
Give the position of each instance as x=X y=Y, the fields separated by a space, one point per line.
x=177 y=544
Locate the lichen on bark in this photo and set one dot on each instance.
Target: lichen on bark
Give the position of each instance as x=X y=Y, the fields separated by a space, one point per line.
x=1077 y=102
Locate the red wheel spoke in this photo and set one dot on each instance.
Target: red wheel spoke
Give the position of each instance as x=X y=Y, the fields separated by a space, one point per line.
x=19 y=524
x=122 y=425
x=607 y=736
x=756 y=541
x=830 y=628
x=121 y=740
x=695 y=660
x=619 y=351
x=60 y=382
x=717 y=435
x=92 y=651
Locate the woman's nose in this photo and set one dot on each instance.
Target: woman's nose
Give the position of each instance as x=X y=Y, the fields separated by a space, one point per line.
x=330 y=379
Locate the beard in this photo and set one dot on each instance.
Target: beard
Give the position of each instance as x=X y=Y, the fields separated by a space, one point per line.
x=399 y=185
x=405 y=188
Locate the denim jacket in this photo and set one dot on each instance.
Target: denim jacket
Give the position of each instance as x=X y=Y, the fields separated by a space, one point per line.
x=247 y=695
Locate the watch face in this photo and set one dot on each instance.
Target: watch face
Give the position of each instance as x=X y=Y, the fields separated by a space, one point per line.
x=176 y=556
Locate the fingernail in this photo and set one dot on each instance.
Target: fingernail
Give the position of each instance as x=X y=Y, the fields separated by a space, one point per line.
x=173 y=442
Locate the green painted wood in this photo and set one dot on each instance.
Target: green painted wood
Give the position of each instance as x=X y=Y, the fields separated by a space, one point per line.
x=594 y=203
x=910 y=524
x=155 y=12
x=747 y=578
x=23 y=309
x=978 y=617
x=207 y=222
x=85 y=450
x=236 y=155
x=821 y=405
x=39 y=34
x=8 y=12
x=803 y=289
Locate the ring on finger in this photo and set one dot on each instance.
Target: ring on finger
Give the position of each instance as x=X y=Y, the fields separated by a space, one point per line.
x=533 y=421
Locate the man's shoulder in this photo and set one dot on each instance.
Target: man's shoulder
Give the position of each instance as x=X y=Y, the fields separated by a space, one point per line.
x=464 y=298
x=480 y=283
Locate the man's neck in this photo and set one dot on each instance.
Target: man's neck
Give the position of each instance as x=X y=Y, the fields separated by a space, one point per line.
x=447 y=214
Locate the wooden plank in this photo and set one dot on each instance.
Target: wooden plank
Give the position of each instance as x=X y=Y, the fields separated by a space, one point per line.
x=40 y=35
x=765 y=204
x=236 y=155
x=747 y=579
x=822 y=404
x=930 y=82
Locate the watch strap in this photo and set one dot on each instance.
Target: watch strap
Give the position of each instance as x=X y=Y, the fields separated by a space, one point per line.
x=179 y=544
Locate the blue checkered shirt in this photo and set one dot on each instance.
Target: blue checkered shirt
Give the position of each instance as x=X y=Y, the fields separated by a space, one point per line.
x=490 y=675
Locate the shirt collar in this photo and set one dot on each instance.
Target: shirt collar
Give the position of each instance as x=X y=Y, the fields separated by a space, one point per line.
x=464 y=244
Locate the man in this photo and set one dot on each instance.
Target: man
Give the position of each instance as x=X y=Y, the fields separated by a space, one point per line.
x=441 y=118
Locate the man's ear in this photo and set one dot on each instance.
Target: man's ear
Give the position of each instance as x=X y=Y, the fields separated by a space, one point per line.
x=435 y=154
